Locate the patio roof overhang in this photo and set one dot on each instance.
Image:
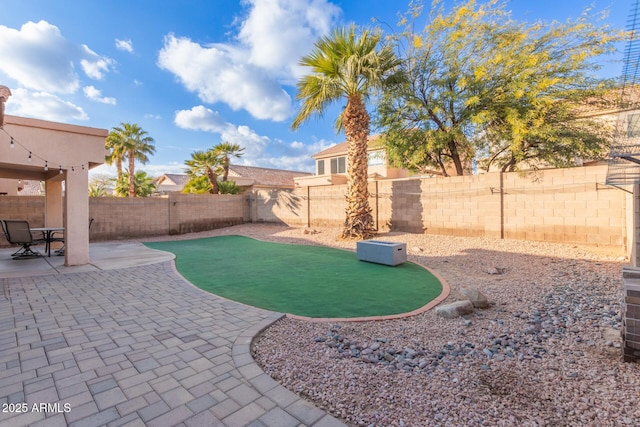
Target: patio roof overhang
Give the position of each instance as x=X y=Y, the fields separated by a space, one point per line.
x=55 y=152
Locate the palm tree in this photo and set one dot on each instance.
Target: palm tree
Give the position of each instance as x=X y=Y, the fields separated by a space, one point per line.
x=97 y=190
x=197 y=185
x=115 y=144
x=228 y=187
x=136 y=146
x=205 y=163
x=226 y=151
x=345 y=66
x=143 y=185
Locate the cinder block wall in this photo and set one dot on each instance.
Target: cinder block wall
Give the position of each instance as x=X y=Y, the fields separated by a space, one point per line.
x=283 y=206
x=122 y=218
x=565 y=205
x=190 y=213
x=30 y=208
x=559 y=205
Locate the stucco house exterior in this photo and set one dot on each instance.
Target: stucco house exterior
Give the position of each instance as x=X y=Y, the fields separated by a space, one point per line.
x=54 y=153
x=331 y=165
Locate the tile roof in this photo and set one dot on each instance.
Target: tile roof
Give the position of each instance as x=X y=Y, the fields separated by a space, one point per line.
x=259 y=176
x=178 y=179
x=266 y=176
x=374 y=142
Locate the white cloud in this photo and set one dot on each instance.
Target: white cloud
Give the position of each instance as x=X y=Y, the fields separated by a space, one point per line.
x=248 y=74
x=39 y=58
x=125 y=45
x=221 y=74
x=202 y=118
x=293 y=156
x=96 y=95
x=43 y=106
x=273 y=24
x=94 y=65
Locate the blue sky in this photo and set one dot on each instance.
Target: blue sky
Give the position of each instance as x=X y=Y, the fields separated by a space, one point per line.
x=194 y=73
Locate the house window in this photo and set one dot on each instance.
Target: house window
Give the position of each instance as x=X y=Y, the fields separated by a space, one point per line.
x=633 y=125
x=320 y=167
x=376 y=158
x=338 y=165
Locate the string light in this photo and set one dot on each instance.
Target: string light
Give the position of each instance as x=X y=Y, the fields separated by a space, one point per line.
x=13 y=142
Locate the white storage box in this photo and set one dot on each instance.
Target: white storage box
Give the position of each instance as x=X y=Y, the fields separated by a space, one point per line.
x=388 y=253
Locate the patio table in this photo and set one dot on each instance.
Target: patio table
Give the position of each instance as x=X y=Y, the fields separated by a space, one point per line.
x=47 y=232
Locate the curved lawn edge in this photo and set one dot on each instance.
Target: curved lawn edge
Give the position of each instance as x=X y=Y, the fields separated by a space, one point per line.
x=444 y=293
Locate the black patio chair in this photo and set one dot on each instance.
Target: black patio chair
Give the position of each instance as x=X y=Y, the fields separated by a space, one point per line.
x=18 y=232
x=59 y=237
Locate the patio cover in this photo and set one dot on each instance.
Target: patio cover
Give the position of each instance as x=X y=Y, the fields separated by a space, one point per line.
x=67 y=152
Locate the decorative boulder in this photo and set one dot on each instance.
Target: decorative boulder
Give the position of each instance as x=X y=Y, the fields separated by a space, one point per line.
x=455 y=309
x=476 y=297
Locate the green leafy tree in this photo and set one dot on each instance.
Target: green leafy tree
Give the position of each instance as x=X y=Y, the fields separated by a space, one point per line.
x=478 y=84
x=346 y=66
x=143 y=185
x=130 y=141
x=205 y=163
x=226 y=150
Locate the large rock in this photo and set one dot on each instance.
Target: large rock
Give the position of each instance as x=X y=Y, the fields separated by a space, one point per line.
x=476 y=297
x=455 y=309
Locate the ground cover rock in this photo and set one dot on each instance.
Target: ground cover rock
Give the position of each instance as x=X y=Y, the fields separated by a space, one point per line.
x=477 y=298
x=455 y=309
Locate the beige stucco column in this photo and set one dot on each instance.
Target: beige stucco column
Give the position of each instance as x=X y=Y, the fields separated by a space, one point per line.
x=53 y=203
x=76 y=225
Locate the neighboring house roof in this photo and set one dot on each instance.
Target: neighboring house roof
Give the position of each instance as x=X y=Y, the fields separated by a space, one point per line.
x=172 y=179
x=265 y=176
x=374 y=142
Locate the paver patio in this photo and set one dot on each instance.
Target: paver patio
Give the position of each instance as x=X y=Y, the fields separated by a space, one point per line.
x=136 y=346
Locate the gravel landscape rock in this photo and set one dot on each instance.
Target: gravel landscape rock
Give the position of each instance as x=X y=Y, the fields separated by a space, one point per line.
x=544 y=353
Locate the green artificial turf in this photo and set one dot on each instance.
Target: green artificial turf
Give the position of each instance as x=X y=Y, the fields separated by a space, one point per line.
x=309 y=281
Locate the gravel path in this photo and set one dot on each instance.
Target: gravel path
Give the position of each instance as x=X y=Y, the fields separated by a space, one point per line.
x=546 y=353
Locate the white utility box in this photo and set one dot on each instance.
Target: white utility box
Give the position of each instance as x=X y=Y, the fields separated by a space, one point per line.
x=388 y=253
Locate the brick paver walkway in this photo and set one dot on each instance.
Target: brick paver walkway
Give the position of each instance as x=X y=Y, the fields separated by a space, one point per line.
x=135 y=346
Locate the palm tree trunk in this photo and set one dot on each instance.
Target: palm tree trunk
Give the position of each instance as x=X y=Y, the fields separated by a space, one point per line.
x=119 y=169
x=213 y=180
x=359 y=221
x=225 y=168
x=132 y=174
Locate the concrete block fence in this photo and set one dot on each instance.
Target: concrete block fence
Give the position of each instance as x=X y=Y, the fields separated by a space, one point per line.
x=558 y=205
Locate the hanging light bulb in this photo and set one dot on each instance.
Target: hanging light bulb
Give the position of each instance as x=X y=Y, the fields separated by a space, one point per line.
x=12 y=146
x=60 y=169
x=73 y=169
x=46 y=166
x=29 y=155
